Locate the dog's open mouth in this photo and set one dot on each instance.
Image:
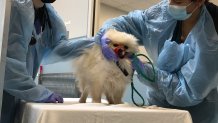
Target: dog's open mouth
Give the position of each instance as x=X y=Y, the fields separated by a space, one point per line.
x=120 y=52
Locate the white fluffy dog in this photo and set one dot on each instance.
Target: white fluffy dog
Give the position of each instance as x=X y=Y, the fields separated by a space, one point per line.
x=97 y=75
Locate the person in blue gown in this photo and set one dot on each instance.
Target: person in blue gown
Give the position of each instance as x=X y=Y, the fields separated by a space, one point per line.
x=36 y=34
x=180 y=37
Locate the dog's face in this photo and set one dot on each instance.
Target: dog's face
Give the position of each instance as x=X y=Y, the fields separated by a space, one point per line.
x=121 y=50
x=122 y=43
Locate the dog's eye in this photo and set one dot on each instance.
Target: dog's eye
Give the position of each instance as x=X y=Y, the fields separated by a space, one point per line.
x=115 y=45
x=126 y=47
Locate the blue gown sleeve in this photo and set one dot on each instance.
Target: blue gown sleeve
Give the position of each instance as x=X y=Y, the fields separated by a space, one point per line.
x=133 y=23
x=142 y=24
x=62 y=48
x=18 y=82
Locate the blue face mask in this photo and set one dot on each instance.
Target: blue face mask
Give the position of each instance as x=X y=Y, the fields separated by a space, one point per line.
x=179 y=12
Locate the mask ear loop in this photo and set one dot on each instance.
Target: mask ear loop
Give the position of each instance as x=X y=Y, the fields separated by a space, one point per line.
x=198 y=6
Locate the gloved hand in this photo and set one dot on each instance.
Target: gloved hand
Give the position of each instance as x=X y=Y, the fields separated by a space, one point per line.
x=136 y=62
x=144 y=70
x=106 y=50
x=54 y=98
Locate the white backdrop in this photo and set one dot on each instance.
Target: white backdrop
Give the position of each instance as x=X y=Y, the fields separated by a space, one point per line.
x=77 y=15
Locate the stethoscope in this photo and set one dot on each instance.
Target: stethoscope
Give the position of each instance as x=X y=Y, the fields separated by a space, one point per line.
x=177 y=38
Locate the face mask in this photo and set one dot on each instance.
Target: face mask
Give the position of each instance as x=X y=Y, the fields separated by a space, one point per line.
x=179 y=12
x=48 y=1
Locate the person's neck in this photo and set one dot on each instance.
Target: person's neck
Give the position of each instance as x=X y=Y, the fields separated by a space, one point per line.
x=193 y=19
x=38 y=4
x=188 y=24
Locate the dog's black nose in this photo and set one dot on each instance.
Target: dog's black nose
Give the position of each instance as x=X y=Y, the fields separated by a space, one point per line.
x=121 y=53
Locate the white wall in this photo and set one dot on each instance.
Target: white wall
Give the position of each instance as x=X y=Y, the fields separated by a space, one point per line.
x=107 y=12
x=76 y=15
x=214 y=1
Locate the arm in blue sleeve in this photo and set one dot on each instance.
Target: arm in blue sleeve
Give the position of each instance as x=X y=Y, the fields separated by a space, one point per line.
x=133 y=23
x=62 y=48
x=18 y=82
x=68 y=49
x=190 y=85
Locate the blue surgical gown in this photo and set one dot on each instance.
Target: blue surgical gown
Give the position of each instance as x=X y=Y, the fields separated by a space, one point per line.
x=186 y=74
x=23 y=60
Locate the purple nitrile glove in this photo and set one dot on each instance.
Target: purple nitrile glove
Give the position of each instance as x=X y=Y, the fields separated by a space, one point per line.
x=106 y=50
x=136 y=62
x=54 y=98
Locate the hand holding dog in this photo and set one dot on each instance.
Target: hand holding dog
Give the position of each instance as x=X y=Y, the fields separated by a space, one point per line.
x=106 y=50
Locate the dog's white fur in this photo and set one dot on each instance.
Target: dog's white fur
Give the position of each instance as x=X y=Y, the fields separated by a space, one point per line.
x=97 y=75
